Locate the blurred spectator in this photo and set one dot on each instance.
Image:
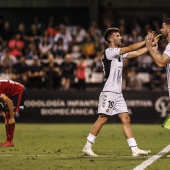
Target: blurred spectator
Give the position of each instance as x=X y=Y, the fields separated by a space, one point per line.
x=36 y=75
x=57 y=49
x=134 y=36
x=20 y=71
x=147 y=28
x=157 y=77
x=1 y=48
x=68 y=69
x=1 y=23
x=65 y=38
x=135 y=24
x=75 y=52
x=95 y=31
x=162 y=45
x=80 y=74
x=16 y=46
x=46 y=34
x=156 y=25
x=78 y=34
x=124 y=35
x=31 y=50
x=21 y=30
x=157 y=80
x=88 y=46
x=7 y=32
x=144 y=63
x=52 y=72
x=6 y=62
x=44 y=47
x=33 y=35
x=40 y=26
x=51 y=28
x=133 y=82
x=97 y=65
x=101 y=48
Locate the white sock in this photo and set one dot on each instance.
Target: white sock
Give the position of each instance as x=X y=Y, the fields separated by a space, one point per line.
x=88 y=145
x=132 y=144
x=90 y=140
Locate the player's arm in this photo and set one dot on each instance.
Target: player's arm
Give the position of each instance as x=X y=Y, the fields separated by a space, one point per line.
x=138 y=45
x=132 y=47
x=10 y=108
x=19 y=100
x=137 y=53
x=160 y=60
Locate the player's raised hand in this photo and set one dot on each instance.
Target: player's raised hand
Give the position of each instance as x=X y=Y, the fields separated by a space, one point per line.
x=156 y=39
x=152 y=39
x=149 y=39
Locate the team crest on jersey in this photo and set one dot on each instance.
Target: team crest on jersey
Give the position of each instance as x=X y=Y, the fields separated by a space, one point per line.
x=107 y=110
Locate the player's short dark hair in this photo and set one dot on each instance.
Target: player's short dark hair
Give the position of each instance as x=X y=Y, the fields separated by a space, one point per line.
x=109 y=31
x=167 y=21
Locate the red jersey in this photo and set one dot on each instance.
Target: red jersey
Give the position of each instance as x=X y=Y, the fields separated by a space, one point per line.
x=11 y=88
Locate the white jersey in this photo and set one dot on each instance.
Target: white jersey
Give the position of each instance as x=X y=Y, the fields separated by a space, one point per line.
x=112 y=67
x=167 y=52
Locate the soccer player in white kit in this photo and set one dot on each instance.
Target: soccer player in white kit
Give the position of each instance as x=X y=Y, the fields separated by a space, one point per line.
x=111 y=101
x=164 y=59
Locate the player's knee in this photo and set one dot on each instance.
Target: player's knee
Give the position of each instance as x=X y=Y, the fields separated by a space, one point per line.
x=126 y=120
x=103 y=119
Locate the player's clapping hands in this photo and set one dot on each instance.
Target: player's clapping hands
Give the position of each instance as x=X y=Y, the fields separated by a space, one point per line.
x=152 y=40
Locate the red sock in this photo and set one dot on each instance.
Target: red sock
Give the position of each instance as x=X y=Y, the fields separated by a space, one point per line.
x=6 y=127
x=9 y=129
x=10 y=134
x=6 y=124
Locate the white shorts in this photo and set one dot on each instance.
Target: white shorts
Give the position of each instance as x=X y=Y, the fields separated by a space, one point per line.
x=111 y=103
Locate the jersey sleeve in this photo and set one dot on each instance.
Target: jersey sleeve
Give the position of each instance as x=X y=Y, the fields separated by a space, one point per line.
x=124 y=55
x=167 y=50
x=112 y=52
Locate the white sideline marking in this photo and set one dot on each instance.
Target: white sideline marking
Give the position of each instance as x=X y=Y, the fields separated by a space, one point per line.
x=149 y=161
x=19 y=155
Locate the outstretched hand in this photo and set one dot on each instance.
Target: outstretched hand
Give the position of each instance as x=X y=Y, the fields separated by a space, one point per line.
x=152 y=40
x=149 y=40
x=156 y=38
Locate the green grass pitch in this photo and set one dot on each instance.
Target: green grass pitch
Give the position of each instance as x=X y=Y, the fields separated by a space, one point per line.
x=59 y=146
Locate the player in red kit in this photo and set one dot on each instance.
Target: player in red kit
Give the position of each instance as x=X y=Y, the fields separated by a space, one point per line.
x=12 y=93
